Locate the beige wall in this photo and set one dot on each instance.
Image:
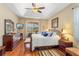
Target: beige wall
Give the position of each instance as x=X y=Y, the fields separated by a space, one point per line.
x=5 y=13
x=65 y=20
x=44 y=25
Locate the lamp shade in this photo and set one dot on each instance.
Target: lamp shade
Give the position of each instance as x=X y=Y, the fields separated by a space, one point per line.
x=64 y=31
x=66 y=34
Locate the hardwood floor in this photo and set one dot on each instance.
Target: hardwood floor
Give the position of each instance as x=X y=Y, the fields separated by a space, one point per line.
x=18 y=51
x=21 y=51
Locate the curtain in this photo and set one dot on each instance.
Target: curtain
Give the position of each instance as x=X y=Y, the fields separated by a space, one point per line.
x=76 y=25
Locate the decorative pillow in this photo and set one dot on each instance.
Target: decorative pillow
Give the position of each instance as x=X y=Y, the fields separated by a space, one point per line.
x=54 y=33
x=50 y=34
x=44 y=33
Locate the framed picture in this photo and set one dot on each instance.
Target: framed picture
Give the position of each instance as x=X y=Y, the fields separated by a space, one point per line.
x=54 y=22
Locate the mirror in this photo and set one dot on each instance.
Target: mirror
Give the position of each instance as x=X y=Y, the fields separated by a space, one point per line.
x=9 y=26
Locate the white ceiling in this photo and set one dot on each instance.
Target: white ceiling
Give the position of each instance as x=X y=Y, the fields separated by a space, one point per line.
x=50 y=9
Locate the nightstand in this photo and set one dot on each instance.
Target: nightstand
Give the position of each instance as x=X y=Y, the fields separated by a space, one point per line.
x=64 y=43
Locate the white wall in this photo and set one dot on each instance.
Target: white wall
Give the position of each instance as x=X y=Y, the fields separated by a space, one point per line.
x=5 y=13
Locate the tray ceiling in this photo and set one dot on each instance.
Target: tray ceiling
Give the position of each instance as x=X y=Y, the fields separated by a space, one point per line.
x=50 y=9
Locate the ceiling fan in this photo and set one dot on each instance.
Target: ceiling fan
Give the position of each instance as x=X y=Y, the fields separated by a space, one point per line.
x=35 y=8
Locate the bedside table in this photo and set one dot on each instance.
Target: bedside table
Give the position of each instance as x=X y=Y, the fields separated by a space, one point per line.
x=63 y=44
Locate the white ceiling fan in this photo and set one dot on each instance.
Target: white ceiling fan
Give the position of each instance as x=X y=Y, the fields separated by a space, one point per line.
x=36 y=8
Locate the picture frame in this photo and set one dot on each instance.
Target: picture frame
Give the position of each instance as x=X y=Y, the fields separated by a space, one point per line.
x=54 y=22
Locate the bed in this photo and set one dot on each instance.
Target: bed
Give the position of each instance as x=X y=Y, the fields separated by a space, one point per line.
x=40 y=40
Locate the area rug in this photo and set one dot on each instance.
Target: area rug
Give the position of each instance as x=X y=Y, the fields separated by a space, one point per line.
x=50 y=52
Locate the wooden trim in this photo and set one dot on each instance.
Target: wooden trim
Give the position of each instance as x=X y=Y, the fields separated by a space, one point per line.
x=31 y=44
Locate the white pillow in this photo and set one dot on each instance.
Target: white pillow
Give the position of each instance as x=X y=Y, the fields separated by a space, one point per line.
x=50 y=34
x=54 y=33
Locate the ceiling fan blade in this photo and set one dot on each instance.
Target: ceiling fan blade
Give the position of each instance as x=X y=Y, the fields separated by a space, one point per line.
x=39 y=11
x=41 y=8
x=29 y=8
x=33 y=4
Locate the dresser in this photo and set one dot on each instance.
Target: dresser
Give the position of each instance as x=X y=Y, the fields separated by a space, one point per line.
x=2 y=50
x=8 y=42
x=64 y=43
x=11 y=41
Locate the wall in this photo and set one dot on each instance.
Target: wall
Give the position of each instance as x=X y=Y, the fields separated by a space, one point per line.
x=44 y=25
x=5 y=13
x=65 y=20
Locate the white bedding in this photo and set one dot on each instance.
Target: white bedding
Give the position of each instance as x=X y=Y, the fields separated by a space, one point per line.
x=40 y=40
